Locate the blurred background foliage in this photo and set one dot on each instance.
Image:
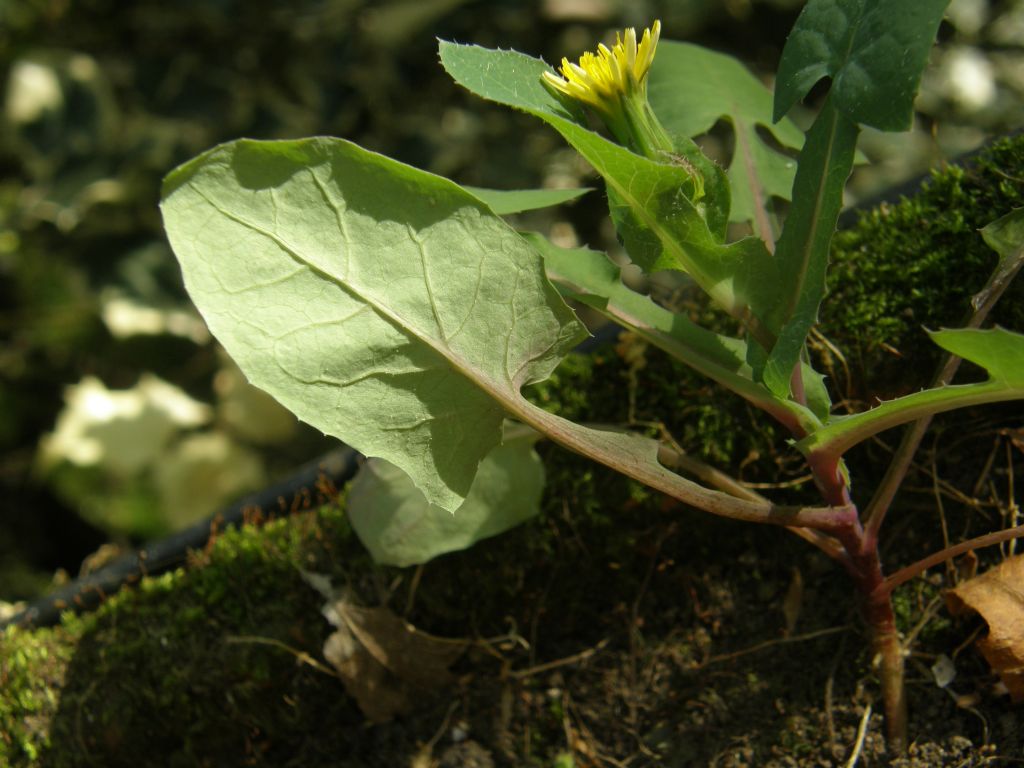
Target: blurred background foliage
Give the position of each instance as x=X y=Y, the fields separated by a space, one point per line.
x=120 y=419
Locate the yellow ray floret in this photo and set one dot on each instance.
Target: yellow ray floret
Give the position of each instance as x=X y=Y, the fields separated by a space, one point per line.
x=601 y=77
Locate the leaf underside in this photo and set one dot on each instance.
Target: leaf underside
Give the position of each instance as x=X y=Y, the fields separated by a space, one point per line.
x=999 y=351
x=400 y=527
x=381 y=304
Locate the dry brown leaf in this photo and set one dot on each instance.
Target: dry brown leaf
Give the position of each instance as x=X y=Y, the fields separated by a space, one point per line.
x=998 y=595
x=384 y=662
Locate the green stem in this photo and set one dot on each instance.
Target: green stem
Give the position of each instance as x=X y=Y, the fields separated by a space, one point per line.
x=844 y=432
x=590 y=277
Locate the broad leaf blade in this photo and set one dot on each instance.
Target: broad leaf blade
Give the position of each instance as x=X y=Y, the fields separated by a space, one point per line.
x=505 y=202
x=691 y=88
x=874 y=51
x=383 y=305
x=400 y=527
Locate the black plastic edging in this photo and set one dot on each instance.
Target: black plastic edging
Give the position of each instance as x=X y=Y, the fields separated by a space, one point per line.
x=299 y=491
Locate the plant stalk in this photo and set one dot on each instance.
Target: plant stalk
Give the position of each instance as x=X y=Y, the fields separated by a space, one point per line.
x=887 y=648
x=865 y=565
x=888 y=654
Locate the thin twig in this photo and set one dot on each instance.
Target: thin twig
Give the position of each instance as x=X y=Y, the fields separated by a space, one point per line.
x=795 y=482
x=942 y=515
x=829 y=709
x=300 y=656
x=427 y=749
x=926 y=616
x=1013 y=511
x=821 y=338
x=862 y=732
x=769 y=643
x=417 y=575
x=519 y=674
x=906 y=574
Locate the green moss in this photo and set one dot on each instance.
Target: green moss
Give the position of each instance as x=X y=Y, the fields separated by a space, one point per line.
x=32 y=667
x=156 y=664
x=915 y=264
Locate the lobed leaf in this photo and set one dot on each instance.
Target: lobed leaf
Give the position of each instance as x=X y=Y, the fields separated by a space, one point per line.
x=691 y=88
x=381 y=304
x=999 y=351
x=874 y=51
x=802 y=251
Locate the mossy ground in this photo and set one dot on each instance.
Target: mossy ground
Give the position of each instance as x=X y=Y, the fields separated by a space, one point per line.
x=620 y=627
x=915 y=263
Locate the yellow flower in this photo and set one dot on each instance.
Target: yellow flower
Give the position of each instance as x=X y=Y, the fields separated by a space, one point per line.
x=600 y=78
x=614 y=84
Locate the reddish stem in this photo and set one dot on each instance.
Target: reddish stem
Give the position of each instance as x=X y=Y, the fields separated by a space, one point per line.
x=888 y=653
x=906 y=574
x=865 y=566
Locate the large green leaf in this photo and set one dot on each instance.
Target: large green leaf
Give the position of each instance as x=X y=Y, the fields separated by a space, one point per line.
x=999 y=351
x=874 y=51
x=382 y=304
x=400 y=527
x=651 y=202
x=691 y=88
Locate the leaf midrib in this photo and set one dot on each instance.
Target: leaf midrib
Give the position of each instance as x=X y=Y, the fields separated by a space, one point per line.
x=651 y=222
x=807 y=250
